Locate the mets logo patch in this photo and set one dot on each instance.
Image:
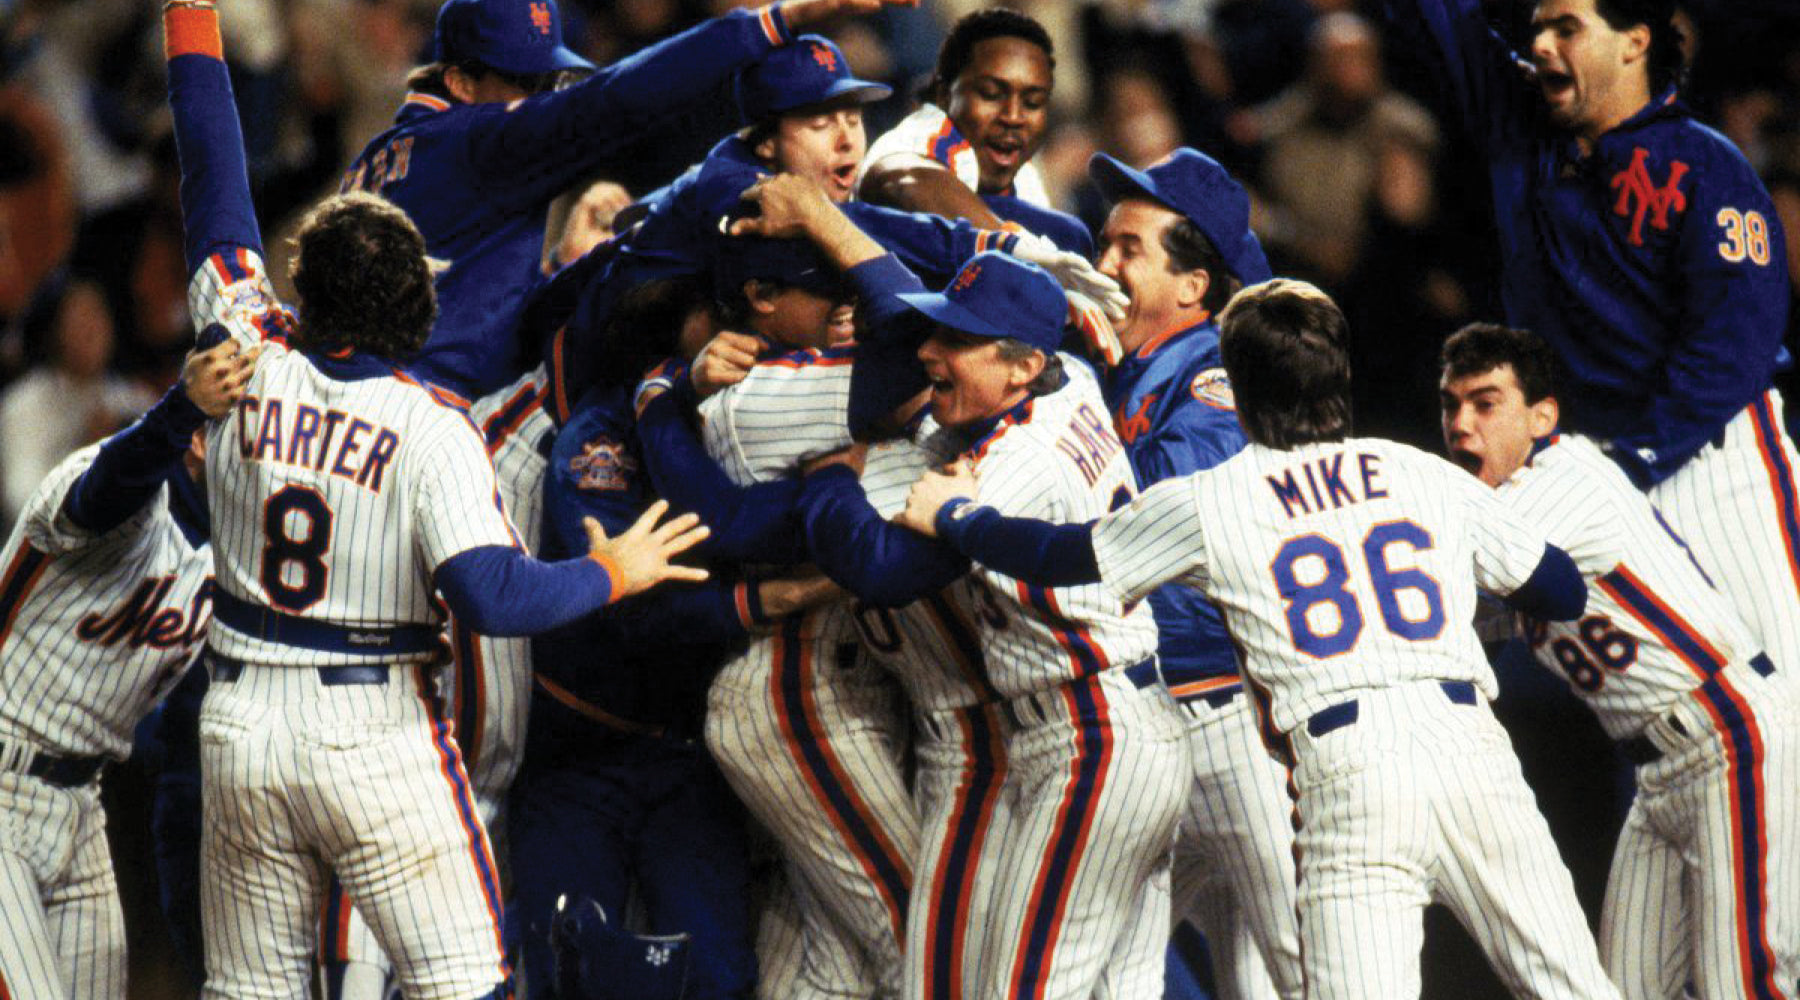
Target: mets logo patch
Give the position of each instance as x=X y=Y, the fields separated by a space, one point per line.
x=1213 y=388
x=604 y=465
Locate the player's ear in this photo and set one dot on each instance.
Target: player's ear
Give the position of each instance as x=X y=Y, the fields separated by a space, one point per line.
x=1025 y=369
x=760 y=296
x=1545 y=415
x=460 y=84
x=1190 y=289
x=1637 y=43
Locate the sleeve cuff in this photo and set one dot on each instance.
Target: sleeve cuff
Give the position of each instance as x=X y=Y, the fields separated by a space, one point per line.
x=950 y=522
x=191 y=29
x=749 y=605
x=613 y=577
x=773 y=20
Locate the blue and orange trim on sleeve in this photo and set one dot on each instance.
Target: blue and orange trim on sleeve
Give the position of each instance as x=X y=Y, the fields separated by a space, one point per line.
x=21 y=576
x=191 y=29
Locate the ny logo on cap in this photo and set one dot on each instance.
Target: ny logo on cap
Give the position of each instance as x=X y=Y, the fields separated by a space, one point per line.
x=824 y=57
x=1634 y=183
x=967 y=278
x=540 y=17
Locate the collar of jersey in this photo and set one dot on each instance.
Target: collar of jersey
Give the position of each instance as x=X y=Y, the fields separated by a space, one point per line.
x=348 y=365
x=1540 y=445
x=1149 y=347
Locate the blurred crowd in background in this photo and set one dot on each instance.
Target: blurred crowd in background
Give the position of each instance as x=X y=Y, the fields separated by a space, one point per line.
x=1358 y=185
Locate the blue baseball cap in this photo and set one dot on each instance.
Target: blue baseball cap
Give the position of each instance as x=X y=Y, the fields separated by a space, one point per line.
x=513 y=36
x=810 y=71
x=995 y=295
x=793 y=262
x=1194 y=185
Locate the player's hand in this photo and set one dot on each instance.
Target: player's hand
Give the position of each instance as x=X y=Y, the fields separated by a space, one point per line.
x=1074 y=273
x=786 y=595
x=591 y=220
x=641 y=557
x=791 y=207
x=933 y=490
x=214 y=379
x=800 y=13
x=1096 y=331
x=851 y=458
x=725 y=360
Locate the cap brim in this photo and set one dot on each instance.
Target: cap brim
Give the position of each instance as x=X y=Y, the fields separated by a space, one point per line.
x=937 y=307
x=866 y=92
x=560 y=58
x=1117 y=181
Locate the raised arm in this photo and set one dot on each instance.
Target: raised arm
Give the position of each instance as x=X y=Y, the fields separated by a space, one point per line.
x=1483 y=81
x=223 y=245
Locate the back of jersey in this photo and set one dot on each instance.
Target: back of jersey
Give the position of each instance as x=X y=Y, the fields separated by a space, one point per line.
x=1344 y=566
x=337 y=487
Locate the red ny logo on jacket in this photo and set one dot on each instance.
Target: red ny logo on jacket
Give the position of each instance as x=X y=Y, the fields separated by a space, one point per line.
x=1639 y=195
x=824 y=57
x=1136 y=425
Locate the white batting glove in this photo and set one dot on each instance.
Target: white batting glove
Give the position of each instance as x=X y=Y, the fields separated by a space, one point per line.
x=1073 y=272
x=1096 y=330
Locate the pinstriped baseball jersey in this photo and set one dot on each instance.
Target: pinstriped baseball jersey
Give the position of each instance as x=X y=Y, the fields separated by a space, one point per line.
x=1055 y=457
x=1654 y=628
x=95 y=629
x=930 y=133
x=932 y=645
x=1340 y=567
x=787 y=409
x=490 y=678
x=321 y=458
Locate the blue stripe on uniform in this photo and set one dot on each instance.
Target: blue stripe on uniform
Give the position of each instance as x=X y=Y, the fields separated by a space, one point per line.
x=1655 y=614
x=972 y=813
x=1738 y=730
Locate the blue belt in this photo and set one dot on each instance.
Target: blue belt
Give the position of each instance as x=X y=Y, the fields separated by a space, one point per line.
x=1144 y=674
x=1338 y=716
x=63 y=772
x=328 y=637
x=226 y=670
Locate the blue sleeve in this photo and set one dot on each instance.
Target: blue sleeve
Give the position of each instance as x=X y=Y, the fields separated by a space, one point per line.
x=1555 y=592
x=133 y=463
x=500 y=591
x=1731 y=322
x=1037 y=552
x=215 y=184
x=1062 y=229
x=928 y=244
x=749 y=523
x=534 y=150
x=717 y=611
x=881 y=563
x=1200 y=437
x=1483 y=83
x=887 y=371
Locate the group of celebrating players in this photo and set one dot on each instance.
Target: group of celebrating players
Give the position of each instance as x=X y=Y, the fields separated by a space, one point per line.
x=1032 y=592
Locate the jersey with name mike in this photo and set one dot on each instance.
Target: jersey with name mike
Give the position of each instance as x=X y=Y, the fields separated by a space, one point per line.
x=333 y=471
x=1340 y=567
x=95 y=628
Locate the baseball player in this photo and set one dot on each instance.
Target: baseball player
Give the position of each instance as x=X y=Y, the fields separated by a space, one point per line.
x=1178 y=240
x=618 y=793
x=1643 y=247
x=1097 y=769
x=104 y=600
x=1704 y=887
x=1346 y=570
x=966 y=152
x=483 y=143
x=343 y=493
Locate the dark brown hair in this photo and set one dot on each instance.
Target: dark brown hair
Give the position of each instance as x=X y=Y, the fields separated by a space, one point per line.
x=363 y=277
x=1480 y=348
x=1283 y=346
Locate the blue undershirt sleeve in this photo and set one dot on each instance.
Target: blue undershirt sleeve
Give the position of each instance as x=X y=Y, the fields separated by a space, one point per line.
x=1554 y=592
x=1037 y=552
x=501 y=591
x=133 y=463
x=881 y=563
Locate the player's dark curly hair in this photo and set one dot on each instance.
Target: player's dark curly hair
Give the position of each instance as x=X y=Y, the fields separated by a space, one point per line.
x=363 y=277
x=1665 y=61
x=972 y=30
x=1283 y=346
x=645 y=328
x=1190 y=250
x=1480 y=348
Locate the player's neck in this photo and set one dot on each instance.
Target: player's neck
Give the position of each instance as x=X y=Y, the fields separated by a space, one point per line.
x=1620 y=105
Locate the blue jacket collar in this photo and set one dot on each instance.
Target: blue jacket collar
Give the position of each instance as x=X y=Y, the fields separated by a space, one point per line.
x=349 y=365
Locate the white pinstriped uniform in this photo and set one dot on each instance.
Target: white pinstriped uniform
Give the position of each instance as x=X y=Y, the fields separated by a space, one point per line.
x=808 y=732
x=933 y=647
x=301 y=778
x=1096 y=765
x=928 y=132
x=1737 y=505
x=1705 y=882
x=94 y=630
x=487 y=684
x=1346 y=573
